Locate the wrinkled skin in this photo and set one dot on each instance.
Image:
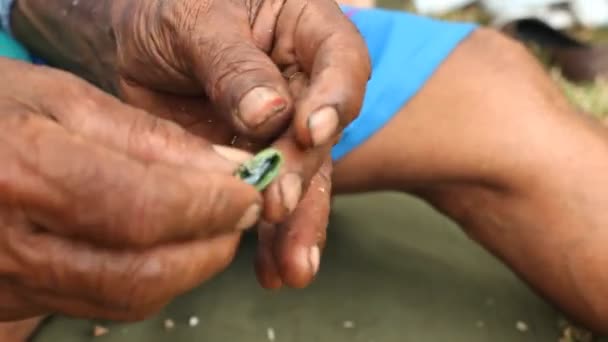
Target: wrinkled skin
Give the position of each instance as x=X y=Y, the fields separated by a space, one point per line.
x=214 y=79
x=246 y=70
x=99 y=200
x=288 y=253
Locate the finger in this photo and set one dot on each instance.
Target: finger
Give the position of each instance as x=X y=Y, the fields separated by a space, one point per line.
x=300 y=240
x=101 y=118
x=75 y=278
x=267 y=270
x=329 y=48
x=241 y=80
x=282 y=196
x=79 y=189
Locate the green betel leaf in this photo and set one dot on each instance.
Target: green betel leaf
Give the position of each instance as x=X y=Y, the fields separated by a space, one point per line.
x=262 y=169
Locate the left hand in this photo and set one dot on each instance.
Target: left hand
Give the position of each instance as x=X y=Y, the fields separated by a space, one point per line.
x=246 y=58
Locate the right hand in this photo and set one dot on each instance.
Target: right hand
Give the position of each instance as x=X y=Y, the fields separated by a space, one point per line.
x=106 y=211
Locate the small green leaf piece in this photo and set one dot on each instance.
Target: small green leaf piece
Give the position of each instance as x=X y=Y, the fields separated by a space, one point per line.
x=262 y=169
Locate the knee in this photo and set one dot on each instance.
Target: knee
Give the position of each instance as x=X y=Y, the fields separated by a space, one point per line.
x=503 y=59
x=503 y=50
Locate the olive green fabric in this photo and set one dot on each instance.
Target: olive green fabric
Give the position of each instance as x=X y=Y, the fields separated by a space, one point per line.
x=393 y=271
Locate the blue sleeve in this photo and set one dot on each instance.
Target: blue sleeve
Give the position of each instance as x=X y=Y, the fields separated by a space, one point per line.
x=405 y=51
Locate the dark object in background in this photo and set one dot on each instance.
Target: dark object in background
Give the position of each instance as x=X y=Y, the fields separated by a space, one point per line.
x=579 y=61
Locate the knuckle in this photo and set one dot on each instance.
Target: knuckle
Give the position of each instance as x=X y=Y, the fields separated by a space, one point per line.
x=230 y=66
x=72 y=102
x=76 y=113
x=149 y=136
x=145 y=134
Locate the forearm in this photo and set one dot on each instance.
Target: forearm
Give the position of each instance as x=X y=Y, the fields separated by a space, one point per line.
x=72 y=35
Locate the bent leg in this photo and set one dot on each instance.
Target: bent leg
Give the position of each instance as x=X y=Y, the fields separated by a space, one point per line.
x=493 y=143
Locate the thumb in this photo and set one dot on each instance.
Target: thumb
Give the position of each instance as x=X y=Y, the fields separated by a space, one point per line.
x=243 y=83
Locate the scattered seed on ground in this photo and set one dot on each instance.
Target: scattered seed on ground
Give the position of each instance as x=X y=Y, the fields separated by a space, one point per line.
x=99 y=331
x=270 y=334
x=193 y=321
x=169 y=324
x=348 y=324
x=521 y=326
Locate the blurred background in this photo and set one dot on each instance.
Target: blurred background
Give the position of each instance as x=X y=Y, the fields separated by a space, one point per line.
x=569 y=37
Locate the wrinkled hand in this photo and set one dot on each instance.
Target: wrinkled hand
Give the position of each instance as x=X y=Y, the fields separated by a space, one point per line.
x=295 y=69
x=106 y=211
x=288 y=252
x=258 y=62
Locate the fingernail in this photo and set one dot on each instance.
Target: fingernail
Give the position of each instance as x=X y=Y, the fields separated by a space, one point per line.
x=250 y=218
x=314 y=258
x=291 y=190
x=259 y=105
x=322 y=125
x=232 y=154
